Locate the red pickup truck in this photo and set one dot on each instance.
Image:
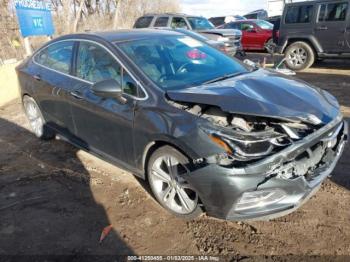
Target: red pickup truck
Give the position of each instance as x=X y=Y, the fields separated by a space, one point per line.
x=255 y=33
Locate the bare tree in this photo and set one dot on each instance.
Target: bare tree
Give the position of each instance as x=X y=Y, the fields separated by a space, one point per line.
x=78 y=15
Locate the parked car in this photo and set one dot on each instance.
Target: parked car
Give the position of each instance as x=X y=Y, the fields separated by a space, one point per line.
x=255 y=33
x=206 y=131
x=221 y=20
x=231 y=51
x=260 y=14
x=314 y=30
x=231 y=38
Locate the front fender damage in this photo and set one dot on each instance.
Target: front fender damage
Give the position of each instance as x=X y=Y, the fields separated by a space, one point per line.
x=301 y=157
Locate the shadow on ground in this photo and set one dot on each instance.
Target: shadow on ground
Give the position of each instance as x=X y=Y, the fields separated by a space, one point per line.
x=46 y=204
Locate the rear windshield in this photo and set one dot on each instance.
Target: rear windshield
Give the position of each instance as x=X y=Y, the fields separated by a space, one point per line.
x=200 y=23
x=143 y=22
x=176 y=62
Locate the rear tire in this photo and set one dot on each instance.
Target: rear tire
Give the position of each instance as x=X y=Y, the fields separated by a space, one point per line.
x=270 y=46
x=36 y=119
x=299 y=56
x=167 y=169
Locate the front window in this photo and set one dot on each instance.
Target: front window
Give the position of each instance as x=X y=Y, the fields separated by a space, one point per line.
x=264 y=24
x=247 y=27
x=200 y=23
x=178 y=22
x=176 y=62
x=95 y=64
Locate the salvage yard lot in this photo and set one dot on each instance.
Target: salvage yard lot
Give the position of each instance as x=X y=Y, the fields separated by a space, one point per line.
x=55 y=199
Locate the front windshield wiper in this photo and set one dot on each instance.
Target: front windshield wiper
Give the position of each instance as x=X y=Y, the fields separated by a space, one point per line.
x=223 y=77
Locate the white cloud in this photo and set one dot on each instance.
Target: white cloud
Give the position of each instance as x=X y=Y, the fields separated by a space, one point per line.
x=209 y=8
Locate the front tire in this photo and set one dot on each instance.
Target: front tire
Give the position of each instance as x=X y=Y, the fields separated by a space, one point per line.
x=299 y=56
x=167 y=170
x=36 y=119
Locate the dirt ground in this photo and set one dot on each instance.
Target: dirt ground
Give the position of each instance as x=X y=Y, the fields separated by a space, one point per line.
x=55 y=199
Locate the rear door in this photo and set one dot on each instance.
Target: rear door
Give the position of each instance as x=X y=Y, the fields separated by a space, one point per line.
x=103 y=125
x=331 y=25
x=53 y=82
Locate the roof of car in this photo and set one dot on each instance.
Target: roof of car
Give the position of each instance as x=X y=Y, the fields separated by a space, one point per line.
x=245 y=20
x=124 y=34
x=170 y=14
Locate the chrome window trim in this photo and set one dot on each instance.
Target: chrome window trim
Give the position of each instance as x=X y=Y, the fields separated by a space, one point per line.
x=86 y=81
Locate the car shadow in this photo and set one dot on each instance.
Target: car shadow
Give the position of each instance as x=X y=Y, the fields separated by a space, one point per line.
x=46 y=204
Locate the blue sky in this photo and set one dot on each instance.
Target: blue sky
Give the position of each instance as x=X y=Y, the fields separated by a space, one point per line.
x=210 y=8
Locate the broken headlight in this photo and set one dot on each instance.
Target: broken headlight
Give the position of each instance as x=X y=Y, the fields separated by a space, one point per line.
x=245 y=146
x=255 y=141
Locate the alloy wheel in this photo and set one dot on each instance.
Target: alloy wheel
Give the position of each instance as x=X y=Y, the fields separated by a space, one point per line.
x=169 y=186
x=34 y=116
x=297 y=56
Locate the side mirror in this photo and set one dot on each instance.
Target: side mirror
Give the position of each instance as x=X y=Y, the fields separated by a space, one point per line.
x=251 y=30
x=109 y=88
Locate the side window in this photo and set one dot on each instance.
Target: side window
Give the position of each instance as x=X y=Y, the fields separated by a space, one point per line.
x=332 y=12
x=232 y=26
x=216 y=21
x=95 y=64
x=129 y=85
x=299 y=14
x=246 y=27
x=178 y=22
x=161 y=21
x=56 y=56
x=143 y=22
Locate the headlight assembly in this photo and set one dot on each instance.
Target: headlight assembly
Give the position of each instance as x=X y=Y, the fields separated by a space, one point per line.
x=245 y=146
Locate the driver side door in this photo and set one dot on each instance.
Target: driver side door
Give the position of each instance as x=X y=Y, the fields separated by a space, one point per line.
x=103 y=125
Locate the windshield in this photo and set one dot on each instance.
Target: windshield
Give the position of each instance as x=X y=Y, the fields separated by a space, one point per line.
x=264 y=24
x=200 y=23
x=177 y=62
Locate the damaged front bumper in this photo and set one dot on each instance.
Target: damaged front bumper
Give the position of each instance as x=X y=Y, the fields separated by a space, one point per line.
x=275 y=186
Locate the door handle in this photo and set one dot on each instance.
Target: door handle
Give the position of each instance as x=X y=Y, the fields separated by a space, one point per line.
x=76 y=95
x=321 y=28
x=37 y=77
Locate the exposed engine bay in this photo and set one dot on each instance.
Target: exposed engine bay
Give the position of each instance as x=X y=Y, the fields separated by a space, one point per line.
x=249 y=139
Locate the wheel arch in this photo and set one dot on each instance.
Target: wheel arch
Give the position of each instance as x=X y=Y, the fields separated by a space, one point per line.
x=312 y=42
x=152 y=147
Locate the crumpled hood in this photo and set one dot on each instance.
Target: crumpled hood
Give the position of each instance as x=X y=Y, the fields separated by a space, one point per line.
x=264 y=93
